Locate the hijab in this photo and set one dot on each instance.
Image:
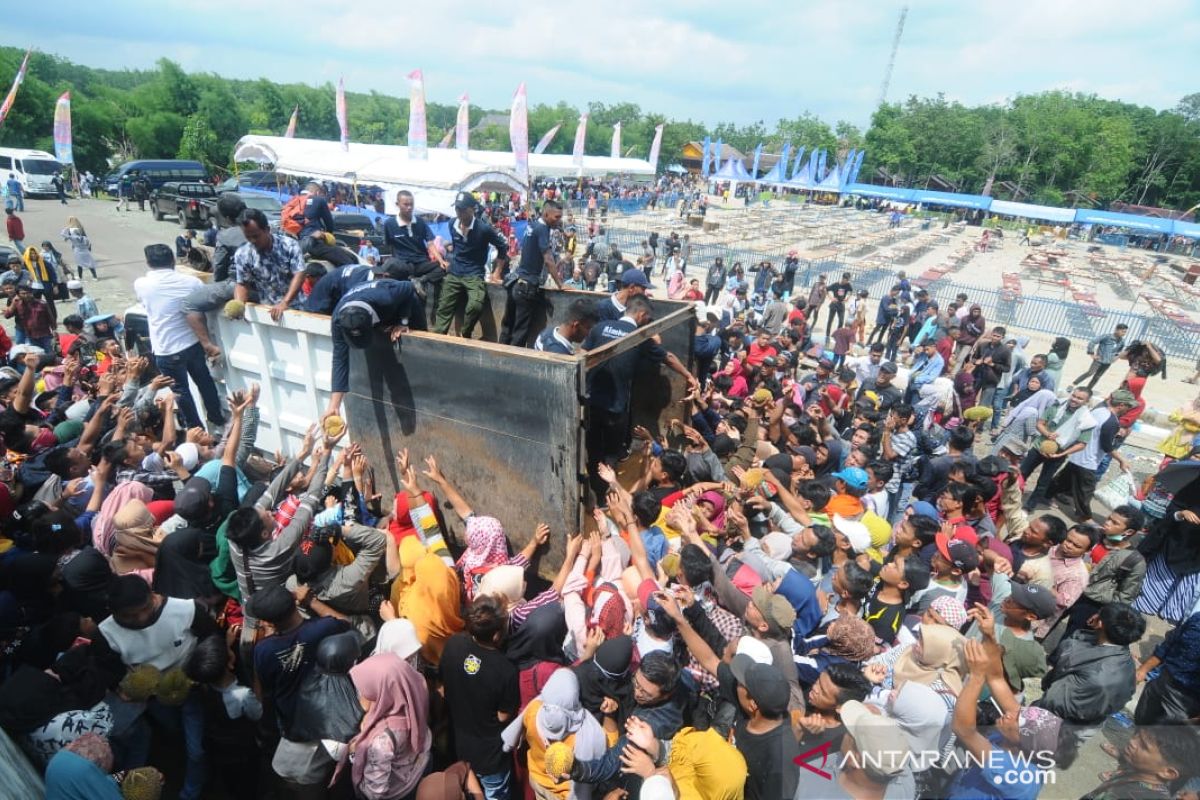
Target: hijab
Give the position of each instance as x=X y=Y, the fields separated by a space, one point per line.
x=540 y=639
x=432 y=606
x=1033 y=406
x=182 y=565
x=70 y=776
x=102 y=527
x=486 y=545
x=506 y=581
x=135 y=545
x=400 y=706
x=937 y=655
x=717 y=500
x=851 y=638
x=448 y=785
x=411 y=551
x=607 y=675
x=399 y=637
x=921 y=714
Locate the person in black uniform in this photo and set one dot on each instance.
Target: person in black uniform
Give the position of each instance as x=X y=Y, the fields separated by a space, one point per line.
x=633 y=284
x=539 y=256
x=838 y=294
x=333 y=285
x=581 y=318
x=610 y=385
x=410 y=240
x=318 y=224
x=390 y=305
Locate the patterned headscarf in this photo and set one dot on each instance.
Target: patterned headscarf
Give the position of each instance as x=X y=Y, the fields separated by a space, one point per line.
x=95 y=749
x=950 y=609
x=851 y=638
x=486 y=544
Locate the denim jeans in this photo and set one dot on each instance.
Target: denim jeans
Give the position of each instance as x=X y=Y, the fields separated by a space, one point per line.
x=191 y=362
x=998 y=399
x=498 y=785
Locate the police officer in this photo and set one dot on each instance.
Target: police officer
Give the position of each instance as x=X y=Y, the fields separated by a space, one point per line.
x=563 y=339
x=539 y=256
x=390 y=305
x=610 y=385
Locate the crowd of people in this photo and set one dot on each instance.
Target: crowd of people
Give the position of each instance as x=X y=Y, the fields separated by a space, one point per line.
x=832 y=577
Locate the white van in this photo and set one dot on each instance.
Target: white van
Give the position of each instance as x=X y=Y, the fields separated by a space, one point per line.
x=33 y=168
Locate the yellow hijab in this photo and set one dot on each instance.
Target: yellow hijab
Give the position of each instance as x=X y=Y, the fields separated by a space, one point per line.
x=431 y=604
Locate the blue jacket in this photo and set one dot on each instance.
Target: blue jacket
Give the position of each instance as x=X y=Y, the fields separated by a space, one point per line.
x=395 y=302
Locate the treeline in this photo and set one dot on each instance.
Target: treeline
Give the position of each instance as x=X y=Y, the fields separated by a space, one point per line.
x=1054 y=147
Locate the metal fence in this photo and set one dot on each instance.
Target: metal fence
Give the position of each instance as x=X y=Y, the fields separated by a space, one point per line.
x=1076 y=321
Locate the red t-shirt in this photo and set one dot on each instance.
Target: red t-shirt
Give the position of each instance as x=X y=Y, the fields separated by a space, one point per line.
x=757 y=354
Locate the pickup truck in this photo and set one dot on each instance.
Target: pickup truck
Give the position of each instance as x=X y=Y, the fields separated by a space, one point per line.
x=183 y=200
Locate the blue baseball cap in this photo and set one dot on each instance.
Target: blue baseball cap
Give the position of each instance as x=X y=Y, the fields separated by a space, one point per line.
x=855 y=477
x=634 y=277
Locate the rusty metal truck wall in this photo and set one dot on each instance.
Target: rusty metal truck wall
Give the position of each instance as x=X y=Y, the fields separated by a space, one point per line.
x=503 y=424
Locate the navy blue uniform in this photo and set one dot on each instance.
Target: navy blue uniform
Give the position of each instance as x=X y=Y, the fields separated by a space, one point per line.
x=606 y=309
x=394 y=302
x=471 y=251
x=525 y=296
x=317 y=216
x=547 y=342
x=408 y=243
x=329 y=289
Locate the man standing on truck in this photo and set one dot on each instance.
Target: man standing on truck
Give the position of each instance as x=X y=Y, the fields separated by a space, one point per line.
x=392 y=306
x=539 y=257
x=214 y=295
x=268 y=264
x=317 y=233
x=610 y=386
x=464 y=287
x=410 y=240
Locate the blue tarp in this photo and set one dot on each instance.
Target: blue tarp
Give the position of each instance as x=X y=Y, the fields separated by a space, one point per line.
x=1189 y=229
x=951 y=199
x=895 y=193
x=1031 y=211
x=1133 y=222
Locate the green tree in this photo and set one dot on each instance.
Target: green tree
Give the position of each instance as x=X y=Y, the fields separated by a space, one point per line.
x=199 y=142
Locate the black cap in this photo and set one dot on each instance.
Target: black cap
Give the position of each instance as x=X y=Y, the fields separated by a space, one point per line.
x=768 y=688
x=1035 y=598
x=356 y=325
x=159 y=256
x=465 y=200
x=192 y=501
x=888 y=367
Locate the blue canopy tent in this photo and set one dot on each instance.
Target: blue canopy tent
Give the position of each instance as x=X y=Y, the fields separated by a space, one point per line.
x=894 y=193
x=1031 y=211
x=733 y=170
x=1133 y=222
x=951 y=199
x=778 y=173
x=833 y=181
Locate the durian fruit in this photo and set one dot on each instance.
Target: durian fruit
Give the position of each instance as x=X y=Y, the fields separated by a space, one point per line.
x=560 y=757
x=143 y=783
x=140 y=683
x=235 y=309
x=174 y=687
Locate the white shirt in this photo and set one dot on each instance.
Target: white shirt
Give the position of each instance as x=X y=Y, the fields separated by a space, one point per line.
x=162 y=292
x=164 y=645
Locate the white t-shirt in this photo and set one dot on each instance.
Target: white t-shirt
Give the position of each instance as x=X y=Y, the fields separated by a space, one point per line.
x=162 y=292
x=164 y=645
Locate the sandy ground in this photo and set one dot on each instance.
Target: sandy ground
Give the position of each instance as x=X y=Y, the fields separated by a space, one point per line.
x=119 y=237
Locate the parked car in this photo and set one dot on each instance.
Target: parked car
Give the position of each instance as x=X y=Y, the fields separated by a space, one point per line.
x=255 y=179
x=157 y=172
x=185 y=201
x=350 y=229
x=268 y=204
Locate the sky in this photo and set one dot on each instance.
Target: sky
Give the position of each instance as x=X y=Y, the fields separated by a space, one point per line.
x=700 y=60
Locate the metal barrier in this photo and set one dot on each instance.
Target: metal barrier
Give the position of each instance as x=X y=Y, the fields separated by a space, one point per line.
x=1073 y=320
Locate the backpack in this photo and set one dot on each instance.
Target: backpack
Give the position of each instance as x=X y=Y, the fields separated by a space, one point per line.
x=291 y=218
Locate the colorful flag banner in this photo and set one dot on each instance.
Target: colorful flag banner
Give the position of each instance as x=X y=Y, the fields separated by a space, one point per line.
x=799 y=162
x=445 y=142
x=62 y=130
x=704 y=158
x=418 y=141
x=655 y=146
x=16 y=84
x=718 y=154
x=343 y=124
x=580 y=141
x=462 y=125
x=546 y=139
x=290 y=133
x=518 y=132
x=757 y=158
x=616 y=141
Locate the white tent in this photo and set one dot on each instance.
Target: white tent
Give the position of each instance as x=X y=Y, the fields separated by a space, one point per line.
x=434 y=181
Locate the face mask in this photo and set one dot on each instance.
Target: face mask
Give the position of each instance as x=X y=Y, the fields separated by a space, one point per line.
x=1120 y=537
